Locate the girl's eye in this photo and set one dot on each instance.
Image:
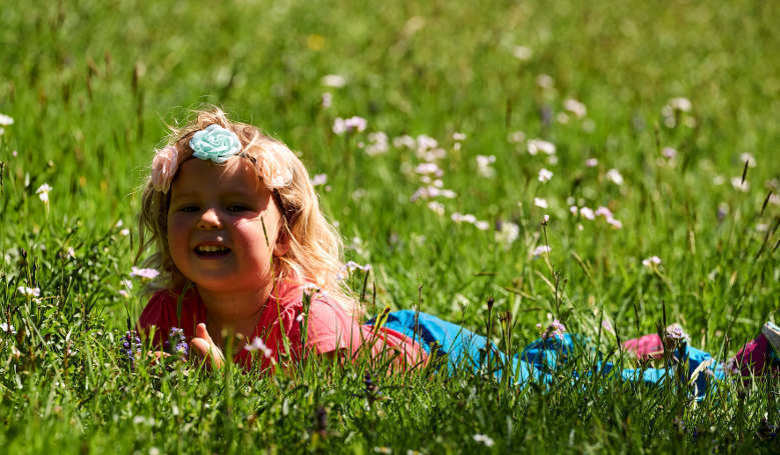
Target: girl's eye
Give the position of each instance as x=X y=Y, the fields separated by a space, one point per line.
x=238 y=208
x=189 y=208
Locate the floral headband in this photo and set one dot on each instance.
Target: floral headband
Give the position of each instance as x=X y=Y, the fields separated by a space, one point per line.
x=211 y=143
x=216 y=144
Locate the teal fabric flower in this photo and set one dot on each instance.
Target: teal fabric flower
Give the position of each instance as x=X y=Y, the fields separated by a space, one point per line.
x=215 y=143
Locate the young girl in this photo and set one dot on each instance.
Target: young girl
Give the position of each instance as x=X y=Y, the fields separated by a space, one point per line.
x=239 y=238
x=245 y=254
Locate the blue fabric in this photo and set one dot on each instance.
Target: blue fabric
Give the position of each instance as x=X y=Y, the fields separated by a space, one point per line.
x=538 y=360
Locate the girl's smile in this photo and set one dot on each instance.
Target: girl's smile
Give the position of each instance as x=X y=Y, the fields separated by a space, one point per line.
x=223 y=226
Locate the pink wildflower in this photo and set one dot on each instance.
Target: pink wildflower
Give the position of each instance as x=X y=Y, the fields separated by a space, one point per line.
x=148 y=274
x=540 y=250
x=554 y=329
x=652 y=261
x=587 y=213
x=164 y=166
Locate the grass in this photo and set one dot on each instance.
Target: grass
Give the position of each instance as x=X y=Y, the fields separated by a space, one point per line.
x=90 y=86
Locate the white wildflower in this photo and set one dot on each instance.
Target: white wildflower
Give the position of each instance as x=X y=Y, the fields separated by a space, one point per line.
x=587 y=213
x=354 y=123
x=545 y=175
x=540 y=250
x=456 y=136
x=484 y=165
x=334 y=80
x=350 y=266
x=575 y=107
x=541 y=202
x=431 y=154
x=522 y=53
x=508 y=232
x=257 y=344
x=740 y=185
x=426 y=142
x=449 y=194
x=436 y=207
x=482 y=225
x=751 y=160
x=591 y=162
x=428 y=168
x=538 y=145
x=516 y=137
x=29 y=292
x=680 y=104
x=7 y=328
x=613 y=175
x=603 y=211
x=545 y=81
x=463 y=218
x=425 y=192
x=484 y=439
x=652 y=261
x=669 y=152
x=377 y=143
x=327 y=100
x=404 y=141
x=148 y=274
x=614 y=223
x=43 y=192
x=6 y=120
x=319 y=179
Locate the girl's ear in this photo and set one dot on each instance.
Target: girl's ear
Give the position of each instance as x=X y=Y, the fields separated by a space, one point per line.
x=282 y=241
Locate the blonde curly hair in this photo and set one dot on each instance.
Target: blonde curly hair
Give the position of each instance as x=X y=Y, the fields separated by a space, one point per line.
x=315 y=253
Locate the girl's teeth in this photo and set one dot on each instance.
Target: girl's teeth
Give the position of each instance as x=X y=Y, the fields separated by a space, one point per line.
x=211 y=249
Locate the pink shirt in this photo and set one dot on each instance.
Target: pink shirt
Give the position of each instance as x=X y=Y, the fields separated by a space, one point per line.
x=330 y=328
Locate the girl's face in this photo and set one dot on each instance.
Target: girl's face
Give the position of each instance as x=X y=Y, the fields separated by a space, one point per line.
x=215 y=226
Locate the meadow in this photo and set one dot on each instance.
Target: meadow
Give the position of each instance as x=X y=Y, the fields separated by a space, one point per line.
x=612 y=165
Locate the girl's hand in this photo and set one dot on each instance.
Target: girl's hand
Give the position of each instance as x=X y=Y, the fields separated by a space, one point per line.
x=203 y=345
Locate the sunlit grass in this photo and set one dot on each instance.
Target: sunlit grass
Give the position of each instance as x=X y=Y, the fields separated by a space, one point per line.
x=90 y=89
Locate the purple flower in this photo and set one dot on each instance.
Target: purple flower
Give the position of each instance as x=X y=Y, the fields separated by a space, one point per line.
x=131 y=345
x=177 y=343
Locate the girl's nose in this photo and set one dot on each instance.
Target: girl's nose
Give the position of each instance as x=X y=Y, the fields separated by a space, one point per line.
x=209 y=220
